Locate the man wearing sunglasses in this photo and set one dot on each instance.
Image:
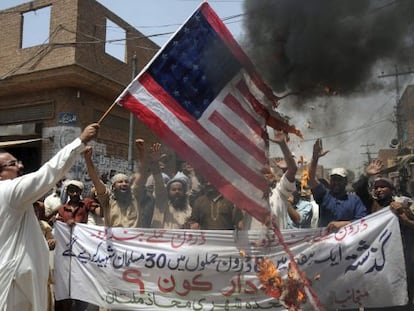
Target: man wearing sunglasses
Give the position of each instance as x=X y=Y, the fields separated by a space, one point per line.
x=11 y=166
x=24 y=259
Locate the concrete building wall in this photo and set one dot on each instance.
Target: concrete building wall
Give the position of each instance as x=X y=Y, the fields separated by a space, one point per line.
x=406 y=115
x=16 y=60
x=92 y=26
x=77 y=36
x=60 y=87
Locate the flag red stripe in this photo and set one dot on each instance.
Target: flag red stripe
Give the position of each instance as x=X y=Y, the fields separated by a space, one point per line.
x=237 y=51
x=186 y=152
x=233 y=104
x=213 y=143
x=257 y=106
x=238 y=137
x=270 y=120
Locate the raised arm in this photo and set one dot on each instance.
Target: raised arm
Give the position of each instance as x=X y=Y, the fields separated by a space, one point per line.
x=154 y=166
x=291 y=167
x=29 y=187
x=93 y=174
x=143 y=171
x=375 y=167
x=361 y=186
x=318 y=152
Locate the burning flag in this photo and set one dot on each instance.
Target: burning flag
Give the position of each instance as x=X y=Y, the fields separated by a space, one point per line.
x=202 y=96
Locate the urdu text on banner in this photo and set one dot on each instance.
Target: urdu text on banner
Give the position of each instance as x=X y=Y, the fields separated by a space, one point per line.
x=151 y=269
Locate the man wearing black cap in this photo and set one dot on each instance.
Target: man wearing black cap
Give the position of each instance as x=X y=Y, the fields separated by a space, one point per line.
x=383 y=195
x=383 y=189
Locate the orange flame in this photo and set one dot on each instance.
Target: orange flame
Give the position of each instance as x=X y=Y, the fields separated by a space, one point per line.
x=290 y=291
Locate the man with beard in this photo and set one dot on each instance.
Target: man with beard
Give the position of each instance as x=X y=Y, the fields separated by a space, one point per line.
x=123 y=205
x=337 y=208
x=172 y=209
x=383 y=195
x=24 y=260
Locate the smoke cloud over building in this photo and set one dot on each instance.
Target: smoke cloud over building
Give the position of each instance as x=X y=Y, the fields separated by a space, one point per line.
x=329 y=53
x=326 y=46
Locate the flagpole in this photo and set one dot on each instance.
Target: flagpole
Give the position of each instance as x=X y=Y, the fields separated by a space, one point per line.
x=106 y=113
x=132 y=124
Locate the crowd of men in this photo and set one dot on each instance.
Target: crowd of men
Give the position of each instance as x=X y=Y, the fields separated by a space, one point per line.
x=152 y=199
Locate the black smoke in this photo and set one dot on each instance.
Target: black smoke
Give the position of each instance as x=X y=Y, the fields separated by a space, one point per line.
x=311 y=47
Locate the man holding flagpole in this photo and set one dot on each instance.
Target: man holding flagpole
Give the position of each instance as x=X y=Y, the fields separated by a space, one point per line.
x=24 y=261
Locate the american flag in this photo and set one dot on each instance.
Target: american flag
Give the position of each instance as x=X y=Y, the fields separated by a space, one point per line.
x=202 y=96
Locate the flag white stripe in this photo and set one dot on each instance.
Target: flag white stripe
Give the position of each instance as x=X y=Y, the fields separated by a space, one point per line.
x=257 y=93
x=233 y=146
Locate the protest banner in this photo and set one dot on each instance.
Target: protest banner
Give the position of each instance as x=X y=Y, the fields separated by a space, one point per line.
x=151 y=269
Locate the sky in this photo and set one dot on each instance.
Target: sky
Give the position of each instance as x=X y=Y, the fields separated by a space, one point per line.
x=350 y=126
x=162 y=16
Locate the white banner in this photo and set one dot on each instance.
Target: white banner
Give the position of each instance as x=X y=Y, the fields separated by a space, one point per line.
x=151 y=269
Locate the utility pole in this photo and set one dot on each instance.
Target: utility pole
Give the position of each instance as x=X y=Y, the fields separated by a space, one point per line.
x=368 y=153
x=397 y=108
x=131 y=140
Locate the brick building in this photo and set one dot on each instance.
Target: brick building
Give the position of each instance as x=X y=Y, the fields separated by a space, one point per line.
x=399 y=160
x=405 y=158
x=406 y=116
x=50 y=90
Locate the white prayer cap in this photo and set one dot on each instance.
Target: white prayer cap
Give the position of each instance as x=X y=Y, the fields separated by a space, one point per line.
x=75 y=183
x=179 y=177
x=118 y=177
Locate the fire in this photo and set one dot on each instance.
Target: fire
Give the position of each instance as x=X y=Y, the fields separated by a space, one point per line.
x=270 y=279
x=301 y=296
x=304 y=182
x=290 y=291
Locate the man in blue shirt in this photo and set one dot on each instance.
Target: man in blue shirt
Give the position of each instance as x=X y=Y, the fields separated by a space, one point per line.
x=337 y=208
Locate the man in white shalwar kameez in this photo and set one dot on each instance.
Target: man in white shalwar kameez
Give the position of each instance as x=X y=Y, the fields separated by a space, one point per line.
x=24 y=254
x=279 y=191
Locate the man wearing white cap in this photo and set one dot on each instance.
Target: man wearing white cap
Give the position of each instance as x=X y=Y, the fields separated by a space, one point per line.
x=172 y=207
x=123 y=205
x=337 y=208
x=76 y=210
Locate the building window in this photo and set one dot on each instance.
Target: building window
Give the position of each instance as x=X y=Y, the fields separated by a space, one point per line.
x=115 y=44
x=27 y=113
x=36 y=27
